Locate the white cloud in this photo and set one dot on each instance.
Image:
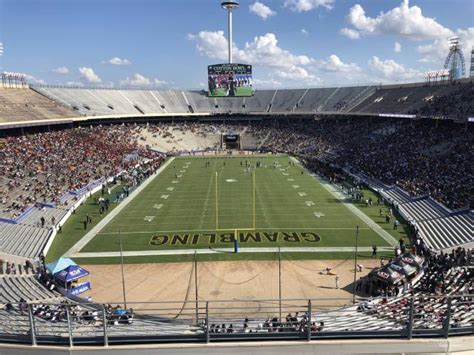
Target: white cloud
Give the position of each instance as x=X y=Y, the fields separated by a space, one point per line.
x=437 y=51
x=397 y=47
x=262 y=51
x=34 y=80
x=266 y=83
x=89 y=75
x=140 y=80
x=402 y=20
x=304 y=32
x=261 y=10
x=308 y=5
x=349 y=33
x=118 y=61
x=334 y=64
x=61 y=70
x=211 y=44
x=392 y=71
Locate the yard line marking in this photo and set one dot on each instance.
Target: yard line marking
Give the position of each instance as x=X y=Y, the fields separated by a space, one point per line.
x=296 y=186
x=310 y=203
x=149 y=218
x=165 y=197
x=366 y=219
x=302 y=194
x=170 y=188
x=174 y=181
x=286 y=174
x=318 y=214
x=93 y=232
x=230 y=229
x=206 y=202
x=290 y=179
x=158 y=206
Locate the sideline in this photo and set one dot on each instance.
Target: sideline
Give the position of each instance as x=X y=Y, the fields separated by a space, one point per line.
x=226 y=250
x=98 y=227
x=366 y=219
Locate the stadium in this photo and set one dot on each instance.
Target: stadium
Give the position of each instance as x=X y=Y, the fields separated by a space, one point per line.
x=336 y=218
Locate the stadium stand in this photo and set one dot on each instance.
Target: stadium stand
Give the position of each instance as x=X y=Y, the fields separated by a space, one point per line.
x=28 y=288
x=22 y=240
x=447 y=232
x=422 y=209
x=26 y=104
x=453 y=101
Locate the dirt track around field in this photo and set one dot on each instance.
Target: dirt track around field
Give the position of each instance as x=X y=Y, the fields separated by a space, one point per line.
x=225 y=280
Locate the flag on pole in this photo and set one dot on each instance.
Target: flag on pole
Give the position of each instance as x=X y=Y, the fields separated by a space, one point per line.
x=1 y=49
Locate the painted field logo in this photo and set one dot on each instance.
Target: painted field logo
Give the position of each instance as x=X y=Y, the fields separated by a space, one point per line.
x=243 y=237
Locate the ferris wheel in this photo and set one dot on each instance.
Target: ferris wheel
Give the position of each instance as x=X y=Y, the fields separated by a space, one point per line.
x=455 y=62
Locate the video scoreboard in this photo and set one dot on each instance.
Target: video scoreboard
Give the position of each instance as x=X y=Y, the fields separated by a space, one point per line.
x=229 y=80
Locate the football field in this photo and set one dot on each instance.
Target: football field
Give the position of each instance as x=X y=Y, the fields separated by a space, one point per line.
x=207 y=202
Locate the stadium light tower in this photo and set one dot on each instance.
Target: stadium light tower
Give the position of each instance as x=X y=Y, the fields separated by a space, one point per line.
x=230 y=6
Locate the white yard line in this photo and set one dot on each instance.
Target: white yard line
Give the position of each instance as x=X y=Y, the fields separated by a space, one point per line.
x=229 y=229
x=226 y=250
x=94 y=231
x=366 y=219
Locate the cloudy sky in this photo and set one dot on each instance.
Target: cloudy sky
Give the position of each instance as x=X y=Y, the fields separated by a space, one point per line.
x=169 y=43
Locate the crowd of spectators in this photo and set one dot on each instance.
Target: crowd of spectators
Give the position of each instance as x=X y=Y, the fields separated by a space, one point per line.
x=459 y=103
x=422 y=157
x=41 y=167
x=291 y=323
x=443 y=274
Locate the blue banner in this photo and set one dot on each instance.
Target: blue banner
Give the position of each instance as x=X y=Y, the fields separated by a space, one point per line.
x=86 y=286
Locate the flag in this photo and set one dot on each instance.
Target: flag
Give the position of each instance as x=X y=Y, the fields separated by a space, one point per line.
x=1 y=49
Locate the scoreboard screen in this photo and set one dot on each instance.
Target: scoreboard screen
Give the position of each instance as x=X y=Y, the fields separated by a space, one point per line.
x=227 y=80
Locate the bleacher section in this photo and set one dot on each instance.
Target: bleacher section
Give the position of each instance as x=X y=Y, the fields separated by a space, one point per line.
x=27 y=105
x=409 y=99
x=14 y=287
x=22 y=240
x=448 y=232
x=396 y=195
x=439 y=227
x=358 y=99
x=423 y=209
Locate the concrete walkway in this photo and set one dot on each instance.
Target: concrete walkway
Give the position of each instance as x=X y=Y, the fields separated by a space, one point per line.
x=226 y=250
x=366 y=219
x=98 y=227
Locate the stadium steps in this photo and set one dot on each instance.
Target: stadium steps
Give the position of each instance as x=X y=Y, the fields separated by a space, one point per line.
x=396 y=196
x=13 y=288
x=423 y=209
x=22 y=240
x=322 y=107
x=447 y=232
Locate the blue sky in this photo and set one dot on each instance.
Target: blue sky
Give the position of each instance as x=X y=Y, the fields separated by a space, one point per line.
x=169 y=43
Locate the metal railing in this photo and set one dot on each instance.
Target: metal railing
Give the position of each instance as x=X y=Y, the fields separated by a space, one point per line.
x=211 y=321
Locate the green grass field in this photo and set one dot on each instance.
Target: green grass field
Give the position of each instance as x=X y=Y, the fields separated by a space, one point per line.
x=240 y=91
x=203 y=202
